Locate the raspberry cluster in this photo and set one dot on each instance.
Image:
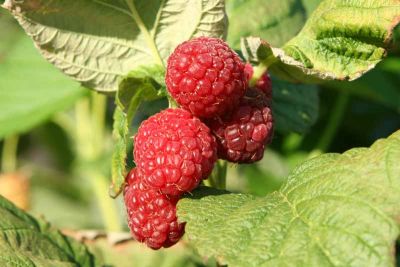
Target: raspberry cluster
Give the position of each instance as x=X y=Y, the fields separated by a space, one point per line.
x=175 y=149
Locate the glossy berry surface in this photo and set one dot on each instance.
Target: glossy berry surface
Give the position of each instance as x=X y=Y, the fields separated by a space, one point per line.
x=206 y=77
x=175 y=151
x=151 y=214
x=242 y=135
x=263 y=84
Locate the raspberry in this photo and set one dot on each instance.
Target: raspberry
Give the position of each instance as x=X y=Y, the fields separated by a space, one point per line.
x=175 y=151
x=206 y=77
x=263 y=84
x=151 y=215
x=242 y=135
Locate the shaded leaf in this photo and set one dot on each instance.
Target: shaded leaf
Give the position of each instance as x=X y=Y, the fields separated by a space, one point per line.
x=295 y=106
x=24 y=241
x=334 y=210
x=98 y=41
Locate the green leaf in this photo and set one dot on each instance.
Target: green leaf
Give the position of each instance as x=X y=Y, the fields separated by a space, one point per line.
x=295 y=106
x=274 y=21
x=339 y=41
x=143 y=84
x=98 y=41
x=25 y=241
x=31 y=90
x=334 y=210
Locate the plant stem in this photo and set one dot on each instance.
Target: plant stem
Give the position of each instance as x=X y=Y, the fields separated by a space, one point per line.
x=335 y=119
x=99 y=108
x=90 y=133
x=9 y=154
x=218 y=176
x=147 y=36
x=106 y=204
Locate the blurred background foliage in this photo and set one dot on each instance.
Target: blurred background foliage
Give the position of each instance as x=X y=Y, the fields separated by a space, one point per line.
x=45 y=118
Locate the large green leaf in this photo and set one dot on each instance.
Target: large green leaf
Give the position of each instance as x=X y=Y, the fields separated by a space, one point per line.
x=31 y=90
x=334 y=210
x=98 y=41
x=274 y=21
x=341 y=40
x=25 y=241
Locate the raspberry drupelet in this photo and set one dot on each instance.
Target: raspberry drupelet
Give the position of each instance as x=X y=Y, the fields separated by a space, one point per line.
x=175 y=151
x=151 y=214
x=205 y=76
x=242 y=135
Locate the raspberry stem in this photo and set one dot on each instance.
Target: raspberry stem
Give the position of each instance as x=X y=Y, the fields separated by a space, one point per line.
x=89 y=140
x=9 y=154
x=259 y=70
x=218 y=177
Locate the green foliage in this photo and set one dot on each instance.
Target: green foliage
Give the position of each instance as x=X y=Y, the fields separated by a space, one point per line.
x=274 y=21
x=30 y=87
x=339 y=210
x=97 y=42
x=338 y=42
x=143 y=84
x=25 y=241
x=295 y=106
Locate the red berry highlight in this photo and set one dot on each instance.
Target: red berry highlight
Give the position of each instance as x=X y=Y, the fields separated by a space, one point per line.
x=206 y=77
x=242 y=135
x=174 y=150
x=151 y=215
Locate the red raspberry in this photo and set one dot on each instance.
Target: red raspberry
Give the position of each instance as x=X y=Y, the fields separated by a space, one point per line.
x=264 y=83
x=175 y=151
x=151 y=215
x=206 y=77
x=242 y=136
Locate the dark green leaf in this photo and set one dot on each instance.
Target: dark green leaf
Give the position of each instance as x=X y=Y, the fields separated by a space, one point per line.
x=295 y=106
x=24 y=241
x=334 y=210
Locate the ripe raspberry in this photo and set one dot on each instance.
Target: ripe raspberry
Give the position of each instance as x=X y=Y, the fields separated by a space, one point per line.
x=151 y=215
x=263 y=84
x=175 y=151
x=206 y=77
x=242 y=136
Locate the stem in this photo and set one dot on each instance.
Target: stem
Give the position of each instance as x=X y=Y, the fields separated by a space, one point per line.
x=332 y=127
x=99 y=108
x=9 y=155
x=292 y=142
x=258 y=71
x=90 y=123
x=218 y=177
x=109 y=212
